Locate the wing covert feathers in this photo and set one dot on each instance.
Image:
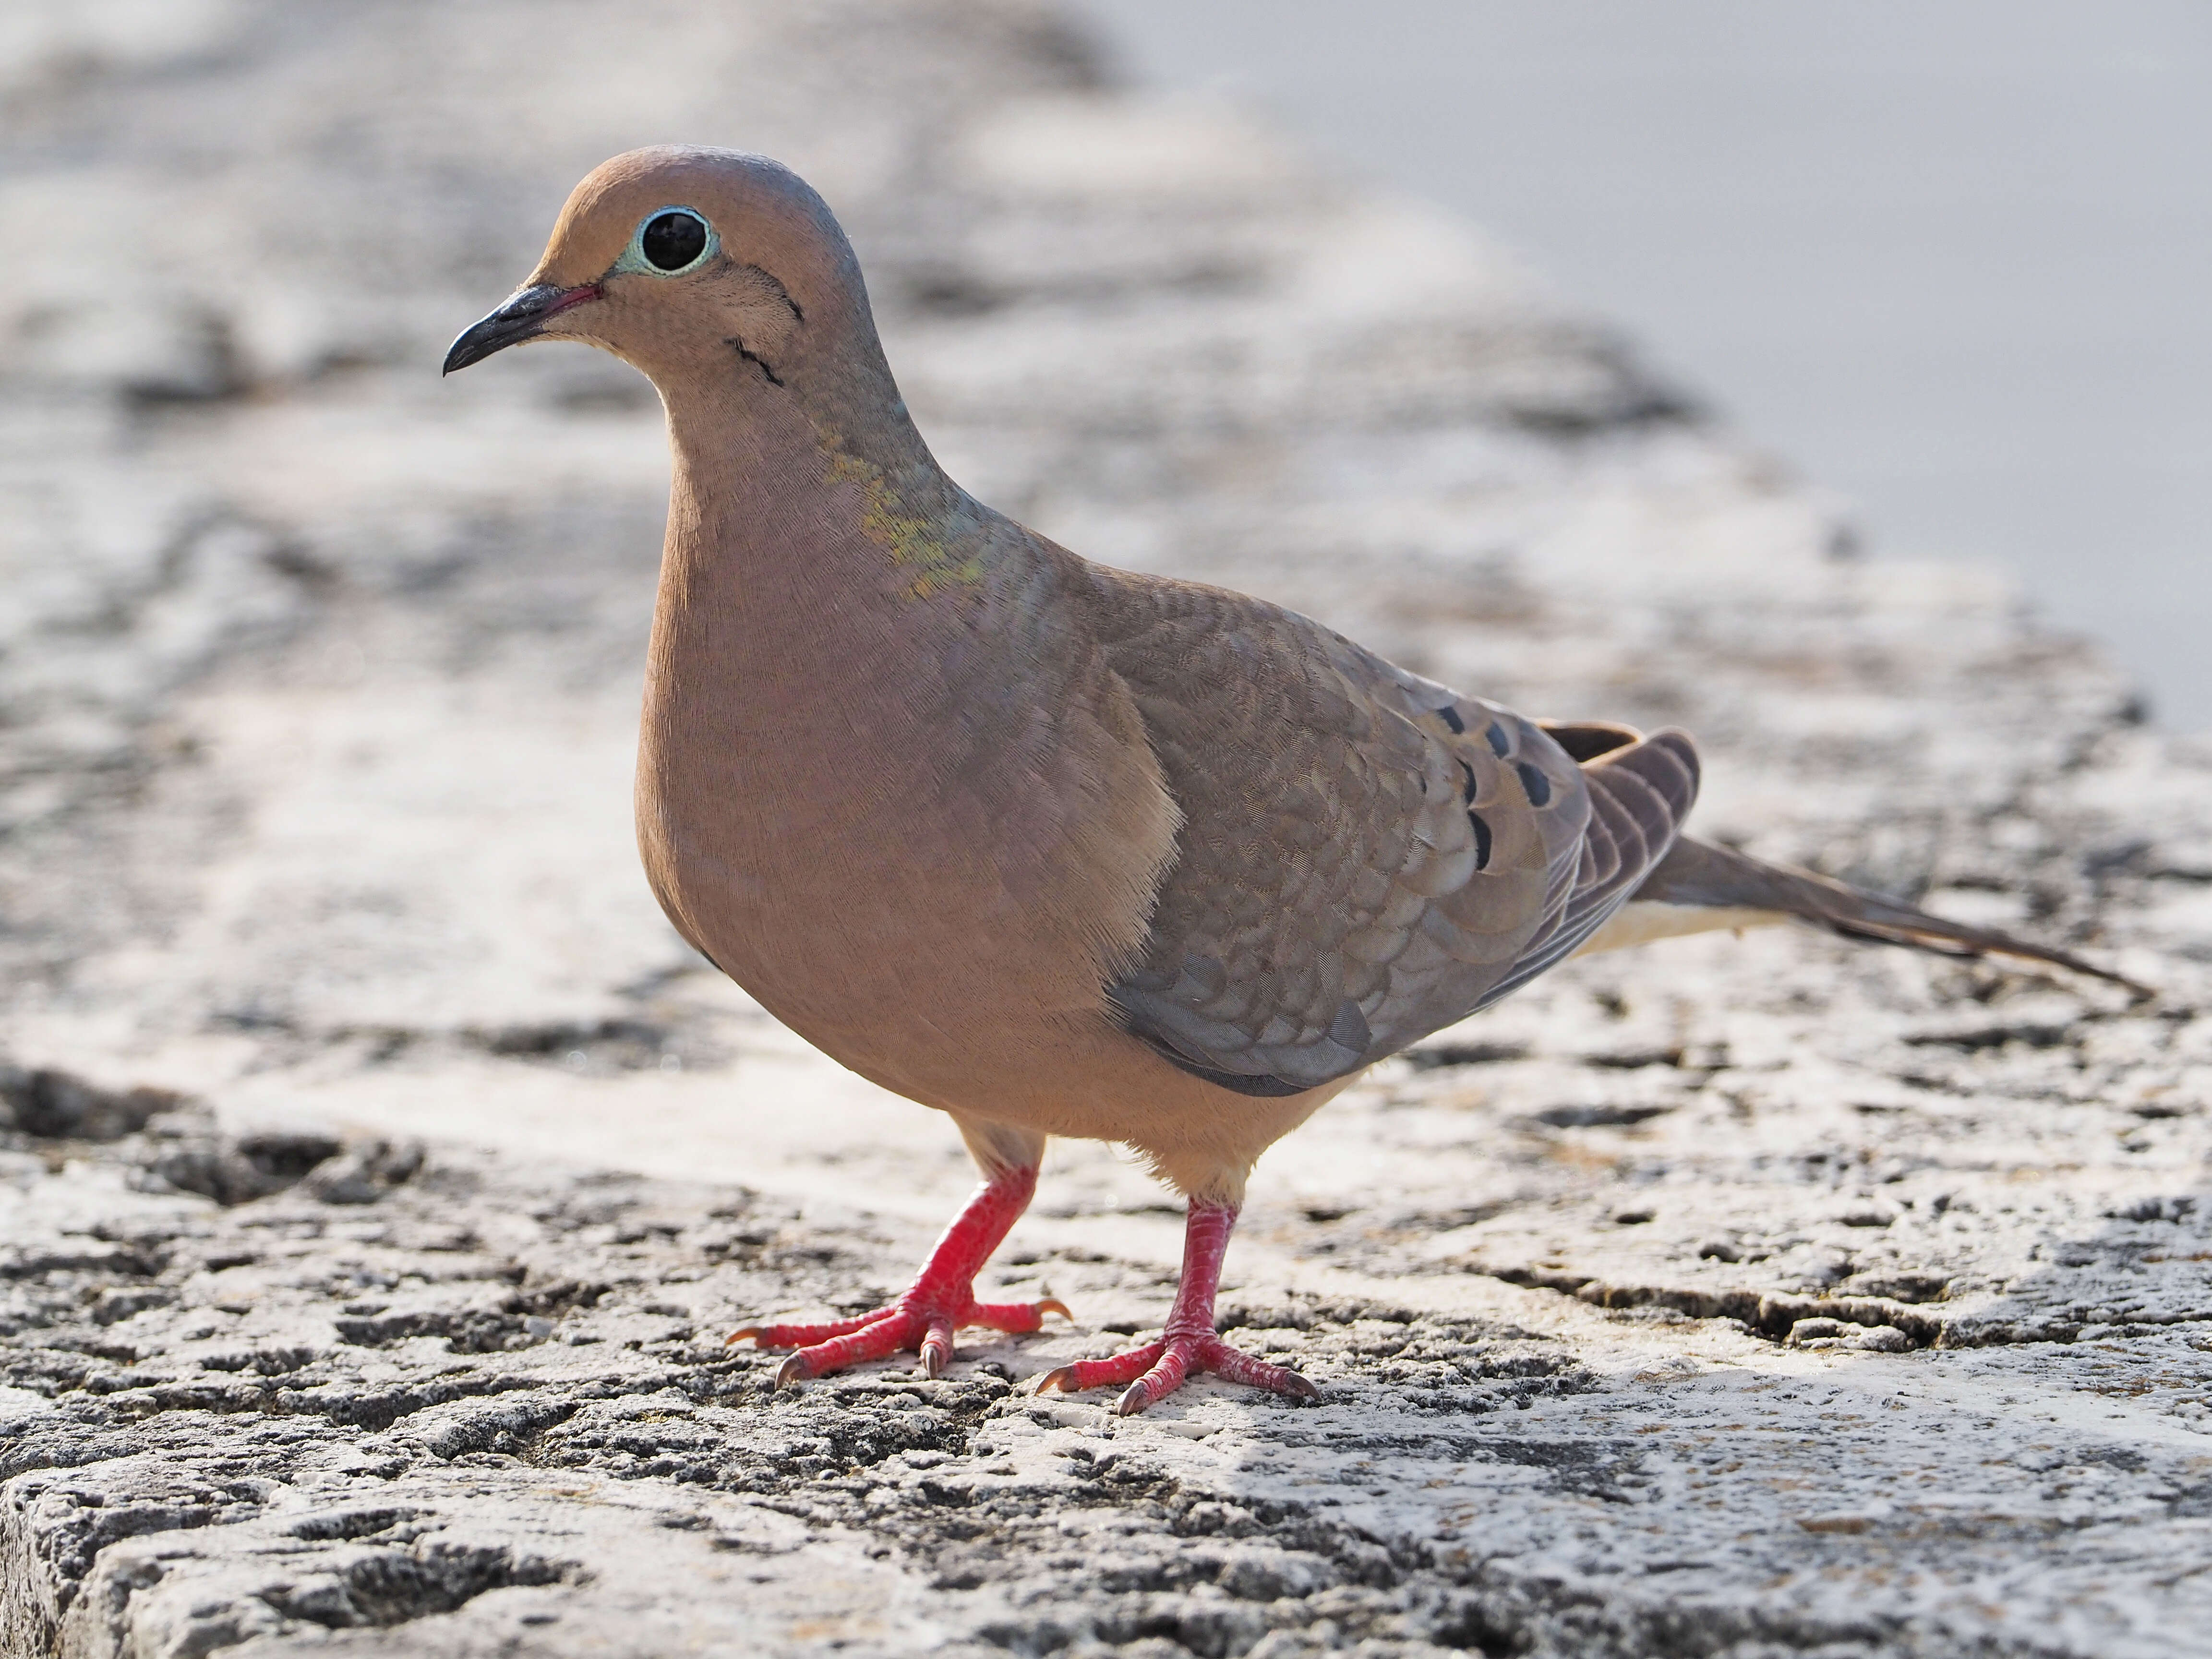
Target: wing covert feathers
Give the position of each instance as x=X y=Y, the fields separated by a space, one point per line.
x=1365 y=856
x=1696 y=874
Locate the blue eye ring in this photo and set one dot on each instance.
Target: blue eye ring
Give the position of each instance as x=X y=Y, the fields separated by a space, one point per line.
x=667 y=238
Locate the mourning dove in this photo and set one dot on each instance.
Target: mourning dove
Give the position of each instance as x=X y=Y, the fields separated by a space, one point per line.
x=1055 y=848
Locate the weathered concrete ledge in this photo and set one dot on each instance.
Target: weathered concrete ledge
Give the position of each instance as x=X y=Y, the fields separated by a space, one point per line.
x=379 y=1174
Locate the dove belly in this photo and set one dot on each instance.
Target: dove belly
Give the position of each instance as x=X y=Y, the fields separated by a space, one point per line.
x=949 y=939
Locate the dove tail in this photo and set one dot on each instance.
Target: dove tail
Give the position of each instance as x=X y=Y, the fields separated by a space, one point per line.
x=1699 y=886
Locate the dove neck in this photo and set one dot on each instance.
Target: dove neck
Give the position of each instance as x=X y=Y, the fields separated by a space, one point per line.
x=804 y=541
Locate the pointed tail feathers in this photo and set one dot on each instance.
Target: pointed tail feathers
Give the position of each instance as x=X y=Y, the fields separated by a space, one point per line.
x=1698 y=886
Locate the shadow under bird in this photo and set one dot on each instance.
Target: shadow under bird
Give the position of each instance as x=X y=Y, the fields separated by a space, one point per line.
x=1055 y=848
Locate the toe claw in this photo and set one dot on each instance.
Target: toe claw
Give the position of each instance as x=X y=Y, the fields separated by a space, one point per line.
x=1054 y=1304
x=737 y=1336
x=1134 y=1399
x=793 y=1371
x=1058 y=1378
x=936 y=1350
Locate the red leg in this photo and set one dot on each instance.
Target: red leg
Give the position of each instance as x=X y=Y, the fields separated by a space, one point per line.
x=1189 y=1344
x=941 y=1299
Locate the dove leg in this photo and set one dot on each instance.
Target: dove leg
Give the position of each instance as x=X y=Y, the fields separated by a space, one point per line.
x=1189 y=1344
x=941 y=1301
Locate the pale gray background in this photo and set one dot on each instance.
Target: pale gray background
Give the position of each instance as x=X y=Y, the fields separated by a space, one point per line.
x=1953 y=257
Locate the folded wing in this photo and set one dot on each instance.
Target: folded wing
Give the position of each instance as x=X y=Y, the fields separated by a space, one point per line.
x=1366 y=856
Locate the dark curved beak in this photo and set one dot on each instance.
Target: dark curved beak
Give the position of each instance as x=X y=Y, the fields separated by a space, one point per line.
x=518 y=319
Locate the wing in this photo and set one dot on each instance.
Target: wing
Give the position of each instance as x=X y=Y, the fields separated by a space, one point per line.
x=1365 y=856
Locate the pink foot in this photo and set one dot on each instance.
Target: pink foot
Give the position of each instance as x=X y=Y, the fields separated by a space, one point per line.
x=908 y=1323
x=1158 y=1368
x=941 y=1300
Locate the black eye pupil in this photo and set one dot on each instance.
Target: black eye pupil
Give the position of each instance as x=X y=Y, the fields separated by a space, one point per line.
x=672 y=241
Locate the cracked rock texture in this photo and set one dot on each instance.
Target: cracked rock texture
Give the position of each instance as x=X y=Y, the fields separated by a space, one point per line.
x=380 y=1174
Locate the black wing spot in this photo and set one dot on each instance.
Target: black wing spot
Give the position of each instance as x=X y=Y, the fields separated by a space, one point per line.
x=1450 y=715
x=1469 y=771
x=1482 y=839
x=1538 y=786
x=1500 y=744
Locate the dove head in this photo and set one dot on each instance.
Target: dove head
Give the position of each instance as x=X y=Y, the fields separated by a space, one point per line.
x=699 y=266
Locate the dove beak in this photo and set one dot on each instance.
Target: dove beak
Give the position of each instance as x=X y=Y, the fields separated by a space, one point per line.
x=521 y=317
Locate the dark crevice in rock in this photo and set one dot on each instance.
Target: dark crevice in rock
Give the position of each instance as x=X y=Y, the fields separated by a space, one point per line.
x=641 y=1041
x=236 y=1170
x=1778 y=1315
x=2032 y=1034
x=1767 y=1313
x=1597 y=1117
x=465 y=1330
x=52 y=1104
x=387 y=1587
x=1463 y=1053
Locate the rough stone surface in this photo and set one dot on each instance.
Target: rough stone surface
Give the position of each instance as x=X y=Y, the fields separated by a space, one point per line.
x=1730 y=1298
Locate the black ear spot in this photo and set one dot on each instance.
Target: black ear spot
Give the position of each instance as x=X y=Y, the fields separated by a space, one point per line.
x=757 y=362
x=1499 y=743
x=1482 y=839
x=1450 y=715
x=1538 y=786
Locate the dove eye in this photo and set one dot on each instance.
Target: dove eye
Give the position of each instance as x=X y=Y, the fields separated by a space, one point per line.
x=672 y=241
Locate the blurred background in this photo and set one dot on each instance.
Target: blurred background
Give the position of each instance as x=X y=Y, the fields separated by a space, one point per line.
x=1657 y=364
x=1952 y=259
